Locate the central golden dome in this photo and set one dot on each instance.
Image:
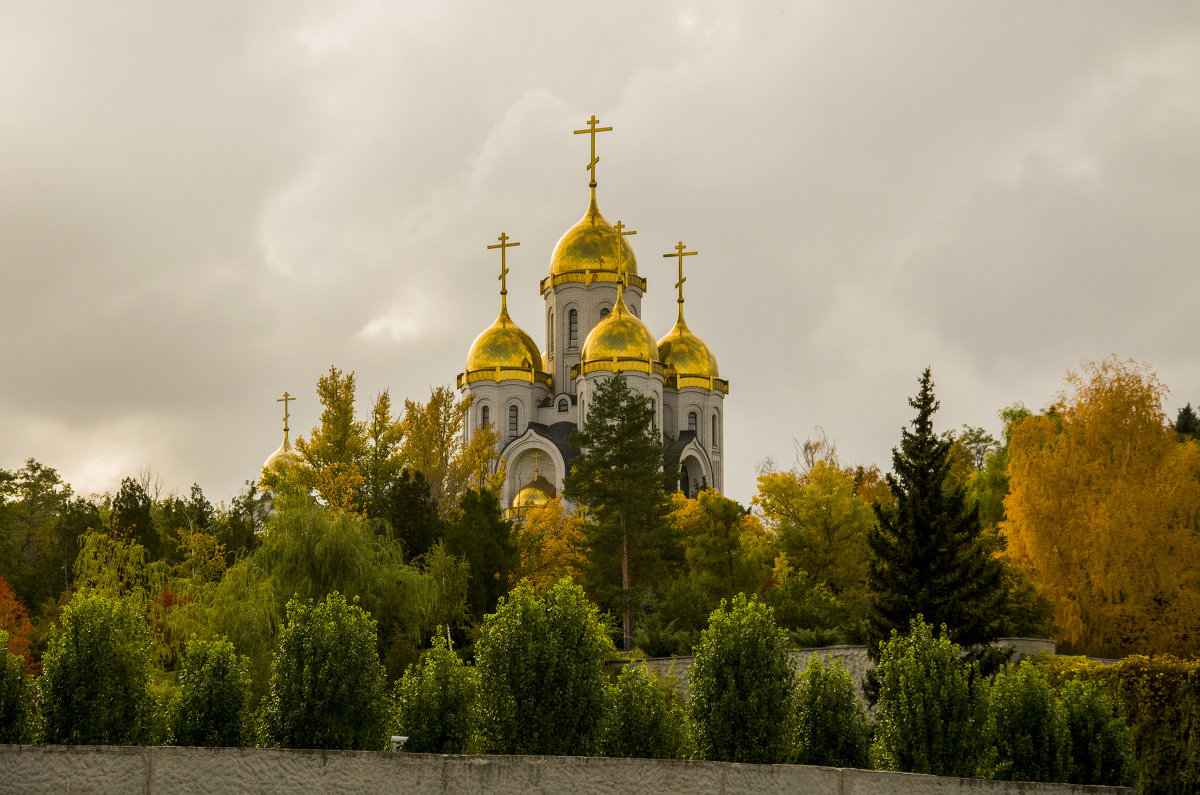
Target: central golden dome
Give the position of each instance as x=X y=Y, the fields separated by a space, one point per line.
x=591 y=245
x=621 y=335
x=504 y=345
x=686 y=353
x=539 y=492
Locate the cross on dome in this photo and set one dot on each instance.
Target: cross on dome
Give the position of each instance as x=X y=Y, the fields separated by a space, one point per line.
x=591 y=131
x=680 y=254
x=503 y=245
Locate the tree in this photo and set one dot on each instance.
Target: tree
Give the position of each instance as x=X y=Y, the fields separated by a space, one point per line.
x=477 y=534
x=326 y=682
x=541 y=673
x=1026 y=730
x=547 y=543
x=14 y=695
x=1104 y=511
x=927 y=555
x=14 y=620
x=645 y=718
x=131 y=519
x=619 y=480
x=1101 y=745
x=95 y=675
x=410 y=510
x=382 y=463
x=828 y=725
x=1187 y=423
x=435 y=702
x=31 y=502
x=932 y=706
x=726 y=548
x=335 y=450
x=740 y=685
x=211 y=706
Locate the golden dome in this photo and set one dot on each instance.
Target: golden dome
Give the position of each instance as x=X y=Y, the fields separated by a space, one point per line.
x=591 y=244
x=505 y=345
x=686 y=353
x=539 y=492
x=623 y=336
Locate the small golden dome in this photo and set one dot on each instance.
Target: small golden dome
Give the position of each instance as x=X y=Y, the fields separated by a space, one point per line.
x=539 y=492
x=591 y=244
x=621 y=335
x=505 y=345
x=686 y=353
x=282 y=460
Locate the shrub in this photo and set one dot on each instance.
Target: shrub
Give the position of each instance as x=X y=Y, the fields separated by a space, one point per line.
x=932 y=706
x=434 y=702
x=214 y=693
x=1025 y=728
x=541 y=673
x=326 y=688
x=14 y=696
x=828 y=725
x=1160 y=696
x=740 y=685
x=644 y=719
x=1101 y=745
x=95 y=675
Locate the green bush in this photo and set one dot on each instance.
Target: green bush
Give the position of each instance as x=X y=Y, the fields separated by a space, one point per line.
x=326 y=688
x=932 y=706
x=1025 y=728
x=95 y=675
x=541 y=673
x=740 y=685
x=1101 y=745
x=828 y=725
x=14 y=696
x=1160 y=697
x=645 y=718
x=434 y=702
x=214 y=693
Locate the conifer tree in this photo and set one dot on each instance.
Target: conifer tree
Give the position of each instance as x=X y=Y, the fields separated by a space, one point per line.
x=927 y=555
x=619 y=478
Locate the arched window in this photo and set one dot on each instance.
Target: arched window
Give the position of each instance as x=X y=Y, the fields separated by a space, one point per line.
x=572 y=328
x=715 y=440
x=693 y=422
x=512 y=422
x=550 y=333
x=562 y=404
x=485 y=416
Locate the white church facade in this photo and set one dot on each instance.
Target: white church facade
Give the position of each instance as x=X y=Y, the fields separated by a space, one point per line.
x=534 y=398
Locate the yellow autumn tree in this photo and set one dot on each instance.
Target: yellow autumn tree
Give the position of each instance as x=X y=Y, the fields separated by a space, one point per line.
x=1103 y=514
x=547 y=542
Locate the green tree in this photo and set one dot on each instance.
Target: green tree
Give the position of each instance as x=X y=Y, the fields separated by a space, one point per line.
x=327 y=684
x=1100 y=741
x=1026 y=729
x=927 y=554
x=210 y=708
x=336 y=449
x=435 y=701
x=132 y=519
x=645 y=718
x=828 y=725
x=541 y=673
x=1187 y=423
x=31 y=503
x=478 y=534
x=740 y=685
x=619 y=479
x=381 y=462
x=96 y=674
x=14 y=696
x=932 y=706
x=410 y=511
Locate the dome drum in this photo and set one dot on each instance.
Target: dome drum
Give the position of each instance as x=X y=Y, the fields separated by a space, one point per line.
x=503 y=374
x=591 y=276
x=618 y=364
x=681 y=381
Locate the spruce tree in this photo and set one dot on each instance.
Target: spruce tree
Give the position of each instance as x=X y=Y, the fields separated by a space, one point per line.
x=1187 y=424
x=619 y=478
x=927 y=554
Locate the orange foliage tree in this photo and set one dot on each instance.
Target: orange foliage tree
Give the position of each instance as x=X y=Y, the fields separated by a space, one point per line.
x=1103 y=513
x=14 y=620
x=548 y=541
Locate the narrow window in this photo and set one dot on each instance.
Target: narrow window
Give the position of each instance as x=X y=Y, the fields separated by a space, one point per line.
x=512 y=422
x=485 y=416
x=562 y=405
x=715 y=440
x=693 y=422
x=572 y=328
x=653 y=413
x=550 y=333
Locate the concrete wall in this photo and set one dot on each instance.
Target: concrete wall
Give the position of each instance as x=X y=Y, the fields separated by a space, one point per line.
x=70 y=769
x=853 y=658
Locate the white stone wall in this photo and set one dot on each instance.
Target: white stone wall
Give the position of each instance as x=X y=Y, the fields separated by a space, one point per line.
x=66 y=769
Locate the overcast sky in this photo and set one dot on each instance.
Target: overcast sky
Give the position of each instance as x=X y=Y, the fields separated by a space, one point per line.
x=205 y=204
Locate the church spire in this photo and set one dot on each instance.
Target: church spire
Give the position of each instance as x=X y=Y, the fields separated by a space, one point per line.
x=591 y=166
x=680 y=253
x=503 y=245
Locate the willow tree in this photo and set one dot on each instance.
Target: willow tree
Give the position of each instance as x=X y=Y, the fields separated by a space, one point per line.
x=1104 y=510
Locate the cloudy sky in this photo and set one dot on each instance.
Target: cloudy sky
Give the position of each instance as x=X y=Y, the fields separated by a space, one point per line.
x=205 y=204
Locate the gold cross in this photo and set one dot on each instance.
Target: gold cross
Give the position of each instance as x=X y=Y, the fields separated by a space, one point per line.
x=620 y=227
x=592 y=130
x=680 y=253
x=503 y=245
x=285 y=400
x=536 y=454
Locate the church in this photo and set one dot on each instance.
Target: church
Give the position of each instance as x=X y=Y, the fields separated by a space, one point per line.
x=534 y=398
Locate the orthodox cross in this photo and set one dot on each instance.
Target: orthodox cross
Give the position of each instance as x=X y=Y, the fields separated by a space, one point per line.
x=503 y=245
x=680 y=253
x=285 y=400
x=622 y=277
x=592 y=130
x=536 y=454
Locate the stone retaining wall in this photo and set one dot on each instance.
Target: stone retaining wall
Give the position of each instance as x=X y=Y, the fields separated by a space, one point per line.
x=71 y=769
